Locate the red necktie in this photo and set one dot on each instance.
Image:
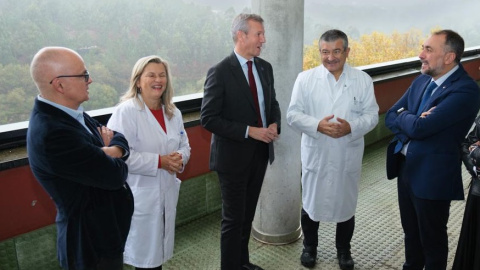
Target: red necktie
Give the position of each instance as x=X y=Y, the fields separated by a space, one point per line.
x=253 y=89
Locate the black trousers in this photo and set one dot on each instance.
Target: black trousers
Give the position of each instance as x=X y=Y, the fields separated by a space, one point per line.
x=343 y=235
x=240 y=194
x=424 y=224
x=156 y=268
x=106 y=264
x=468 y=249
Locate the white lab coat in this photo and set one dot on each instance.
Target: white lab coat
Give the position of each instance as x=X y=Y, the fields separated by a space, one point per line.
x=331 y=167
x=151 y=237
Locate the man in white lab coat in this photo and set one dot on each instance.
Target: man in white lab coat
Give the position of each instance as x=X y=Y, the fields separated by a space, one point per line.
x=333 y=106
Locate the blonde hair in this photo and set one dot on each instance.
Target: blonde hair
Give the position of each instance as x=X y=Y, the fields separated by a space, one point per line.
x=137 y=71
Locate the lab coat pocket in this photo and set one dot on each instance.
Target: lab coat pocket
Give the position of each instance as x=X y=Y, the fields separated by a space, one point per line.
x=356 y=108
x=146 y=200
x=354 y=155
x=309 y=157
x=174 y=192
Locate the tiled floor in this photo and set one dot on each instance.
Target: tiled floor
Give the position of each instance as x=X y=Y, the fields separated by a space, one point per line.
x=377 y=241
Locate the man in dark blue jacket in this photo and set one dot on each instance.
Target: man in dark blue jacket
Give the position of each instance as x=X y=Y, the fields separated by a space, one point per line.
x=80 y=163
x=430 y=122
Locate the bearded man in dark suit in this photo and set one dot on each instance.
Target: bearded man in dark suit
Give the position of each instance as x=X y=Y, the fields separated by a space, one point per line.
x=430 y=122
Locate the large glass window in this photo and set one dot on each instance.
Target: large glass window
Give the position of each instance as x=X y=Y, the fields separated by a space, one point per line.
x=111 y=35
x=381 y=31
x=193 y=35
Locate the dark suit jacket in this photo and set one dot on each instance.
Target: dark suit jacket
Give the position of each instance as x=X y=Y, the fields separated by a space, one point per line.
x=228 y=108
x=433 y=158
x=94 y=203
x=472 y=160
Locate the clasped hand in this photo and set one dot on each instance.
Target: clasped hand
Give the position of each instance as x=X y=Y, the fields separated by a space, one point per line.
x=332 y=129
x=173 y=162
x=265 y=135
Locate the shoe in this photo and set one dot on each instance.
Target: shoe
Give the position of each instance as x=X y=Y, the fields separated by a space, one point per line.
x=309 y=257
x=345 y=260
x=251 y=266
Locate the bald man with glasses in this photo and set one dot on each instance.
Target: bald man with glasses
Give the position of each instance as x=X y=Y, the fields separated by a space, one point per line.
x=80 y=163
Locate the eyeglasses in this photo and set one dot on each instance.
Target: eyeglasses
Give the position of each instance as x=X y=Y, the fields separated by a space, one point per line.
x=335 y=53
x=86 y=75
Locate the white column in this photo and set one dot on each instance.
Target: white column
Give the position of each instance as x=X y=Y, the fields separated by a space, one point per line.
x=277 y=219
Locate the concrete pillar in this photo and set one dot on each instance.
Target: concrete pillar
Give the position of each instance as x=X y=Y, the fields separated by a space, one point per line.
x=277 y=219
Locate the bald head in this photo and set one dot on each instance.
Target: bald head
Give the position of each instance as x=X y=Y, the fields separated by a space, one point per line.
x=50 y=62
x=58 y=73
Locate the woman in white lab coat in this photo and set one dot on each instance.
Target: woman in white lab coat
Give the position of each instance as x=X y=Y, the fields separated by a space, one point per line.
x=159 y=149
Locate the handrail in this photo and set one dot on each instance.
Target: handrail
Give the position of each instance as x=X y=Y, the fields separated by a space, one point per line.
x=14 y=135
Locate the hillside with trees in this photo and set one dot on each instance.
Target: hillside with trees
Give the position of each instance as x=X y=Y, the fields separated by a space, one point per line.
x=192 y=35
x=111 y=35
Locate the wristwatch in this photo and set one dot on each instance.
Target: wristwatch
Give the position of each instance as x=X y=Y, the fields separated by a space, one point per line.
x=399 y=111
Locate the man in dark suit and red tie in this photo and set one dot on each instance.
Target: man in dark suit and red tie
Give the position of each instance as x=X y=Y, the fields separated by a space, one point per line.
x=240 y=108
x=430 y=122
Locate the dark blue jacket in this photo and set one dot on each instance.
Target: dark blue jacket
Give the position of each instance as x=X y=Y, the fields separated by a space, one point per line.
x=94 y=203
x=433 y=158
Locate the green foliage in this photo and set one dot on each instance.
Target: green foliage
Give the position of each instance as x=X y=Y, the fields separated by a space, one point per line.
x=101 y=96
x=15 y=105
x=14 y=75
x=111 y=35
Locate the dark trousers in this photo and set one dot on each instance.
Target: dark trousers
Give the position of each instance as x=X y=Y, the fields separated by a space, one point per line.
x=468 y=249
x=240 y=194
x=424 y=224
x=105 y=264
x=155 y=268
x=343 y=235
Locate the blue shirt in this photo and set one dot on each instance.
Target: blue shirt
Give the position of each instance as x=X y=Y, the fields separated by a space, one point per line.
x=75 y=114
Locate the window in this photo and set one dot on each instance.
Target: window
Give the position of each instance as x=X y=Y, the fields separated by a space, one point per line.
x=111 y=35
x=381 y=31
x=193 y=35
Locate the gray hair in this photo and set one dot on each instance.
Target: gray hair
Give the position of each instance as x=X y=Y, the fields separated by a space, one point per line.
x=240 y=23
x=333 y=35
x=453 y=43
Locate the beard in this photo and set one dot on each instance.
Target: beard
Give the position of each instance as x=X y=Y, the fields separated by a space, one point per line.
x=431 y=71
